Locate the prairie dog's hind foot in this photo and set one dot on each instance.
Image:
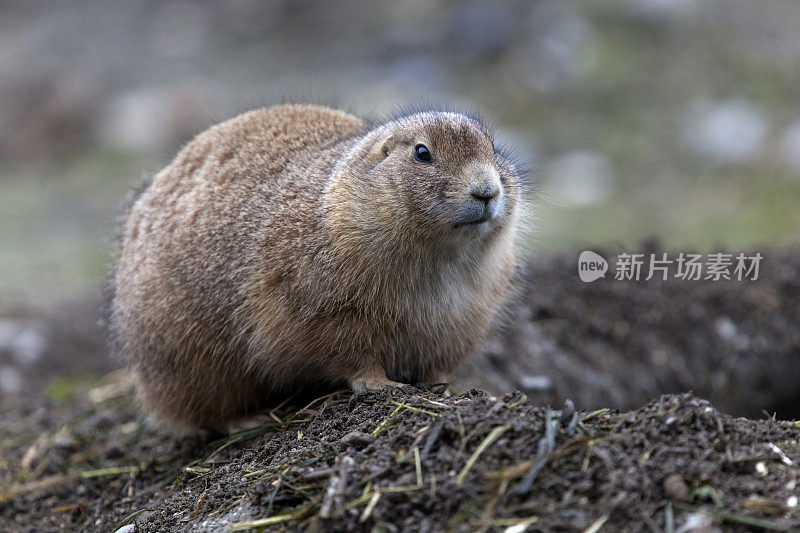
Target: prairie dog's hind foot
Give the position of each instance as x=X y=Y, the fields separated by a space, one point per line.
x=437 y=382
x=371 y=381
x=371 y=376
x=374 y=382
x=442 y=388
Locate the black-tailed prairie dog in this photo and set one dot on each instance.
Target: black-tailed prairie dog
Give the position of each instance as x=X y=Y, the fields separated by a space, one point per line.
x=299 y=247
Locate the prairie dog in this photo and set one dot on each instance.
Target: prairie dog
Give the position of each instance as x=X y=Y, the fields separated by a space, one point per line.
x=299 y=246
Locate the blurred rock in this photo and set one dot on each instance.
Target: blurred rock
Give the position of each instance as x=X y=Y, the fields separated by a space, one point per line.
x=11 y=381
x=675 y=487
x=250 y=19
x=660 y=10
x=729 y=332
x=64 y=438
x=581 y=177
x=424 y=74
x=23 y=340
x=51 y=116
x=697 y=522
x=358 y=439
x=65 y=341
x=136 y=120
x=730 y=131
x=790 y=146
x=725 y=328
x=481 y=29
x=560 y=47
x=155 y=119
x=180 y=29
x=535 y=383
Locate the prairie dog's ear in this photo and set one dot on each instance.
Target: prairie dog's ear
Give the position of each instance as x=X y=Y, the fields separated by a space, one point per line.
x=380 y=149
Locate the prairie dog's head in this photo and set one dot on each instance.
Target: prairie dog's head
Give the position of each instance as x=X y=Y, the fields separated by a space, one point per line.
x=432 y=177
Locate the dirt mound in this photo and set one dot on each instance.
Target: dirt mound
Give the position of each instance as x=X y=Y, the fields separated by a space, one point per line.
x=399 y=460
x=618 y=344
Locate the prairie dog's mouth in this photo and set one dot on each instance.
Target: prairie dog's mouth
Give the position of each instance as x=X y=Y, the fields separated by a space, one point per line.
x=476 y=213
x=483 y=220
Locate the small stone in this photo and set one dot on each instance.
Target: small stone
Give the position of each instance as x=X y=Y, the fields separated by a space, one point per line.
x=675 y=488
x=64 y=439
x=535 y=383
x=726 y=329
x=130 y=528
x=358 y=439
x=699 y=522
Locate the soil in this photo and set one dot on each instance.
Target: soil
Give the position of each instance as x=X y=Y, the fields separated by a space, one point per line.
x=619 y=344
x=402 y=460
x=82 y=458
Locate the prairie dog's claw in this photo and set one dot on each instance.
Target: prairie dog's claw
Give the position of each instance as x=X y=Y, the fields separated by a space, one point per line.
x=372 y=378
x=437 y=388
x=362 y=385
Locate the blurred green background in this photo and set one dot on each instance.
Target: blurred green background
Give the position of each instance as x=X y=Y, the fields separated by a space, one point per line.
x=678 y=119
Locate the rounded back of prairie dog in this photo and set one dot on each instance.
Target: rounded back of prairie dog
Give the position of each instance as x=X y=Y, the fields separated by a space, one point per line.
x=298 y=246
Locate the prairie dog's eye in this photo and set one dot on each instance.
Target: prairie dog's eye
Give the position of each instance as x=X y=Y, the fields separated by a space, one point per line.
x=421 y=153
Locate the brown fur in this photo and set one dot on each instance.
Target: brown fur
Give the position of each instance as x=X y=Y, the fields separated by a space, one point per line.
x=297 y=246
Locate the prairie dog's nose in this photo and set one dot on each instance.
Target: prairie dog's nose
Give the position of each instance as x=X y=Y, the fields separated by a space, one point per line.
x=486 y=186
x=485 y=191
